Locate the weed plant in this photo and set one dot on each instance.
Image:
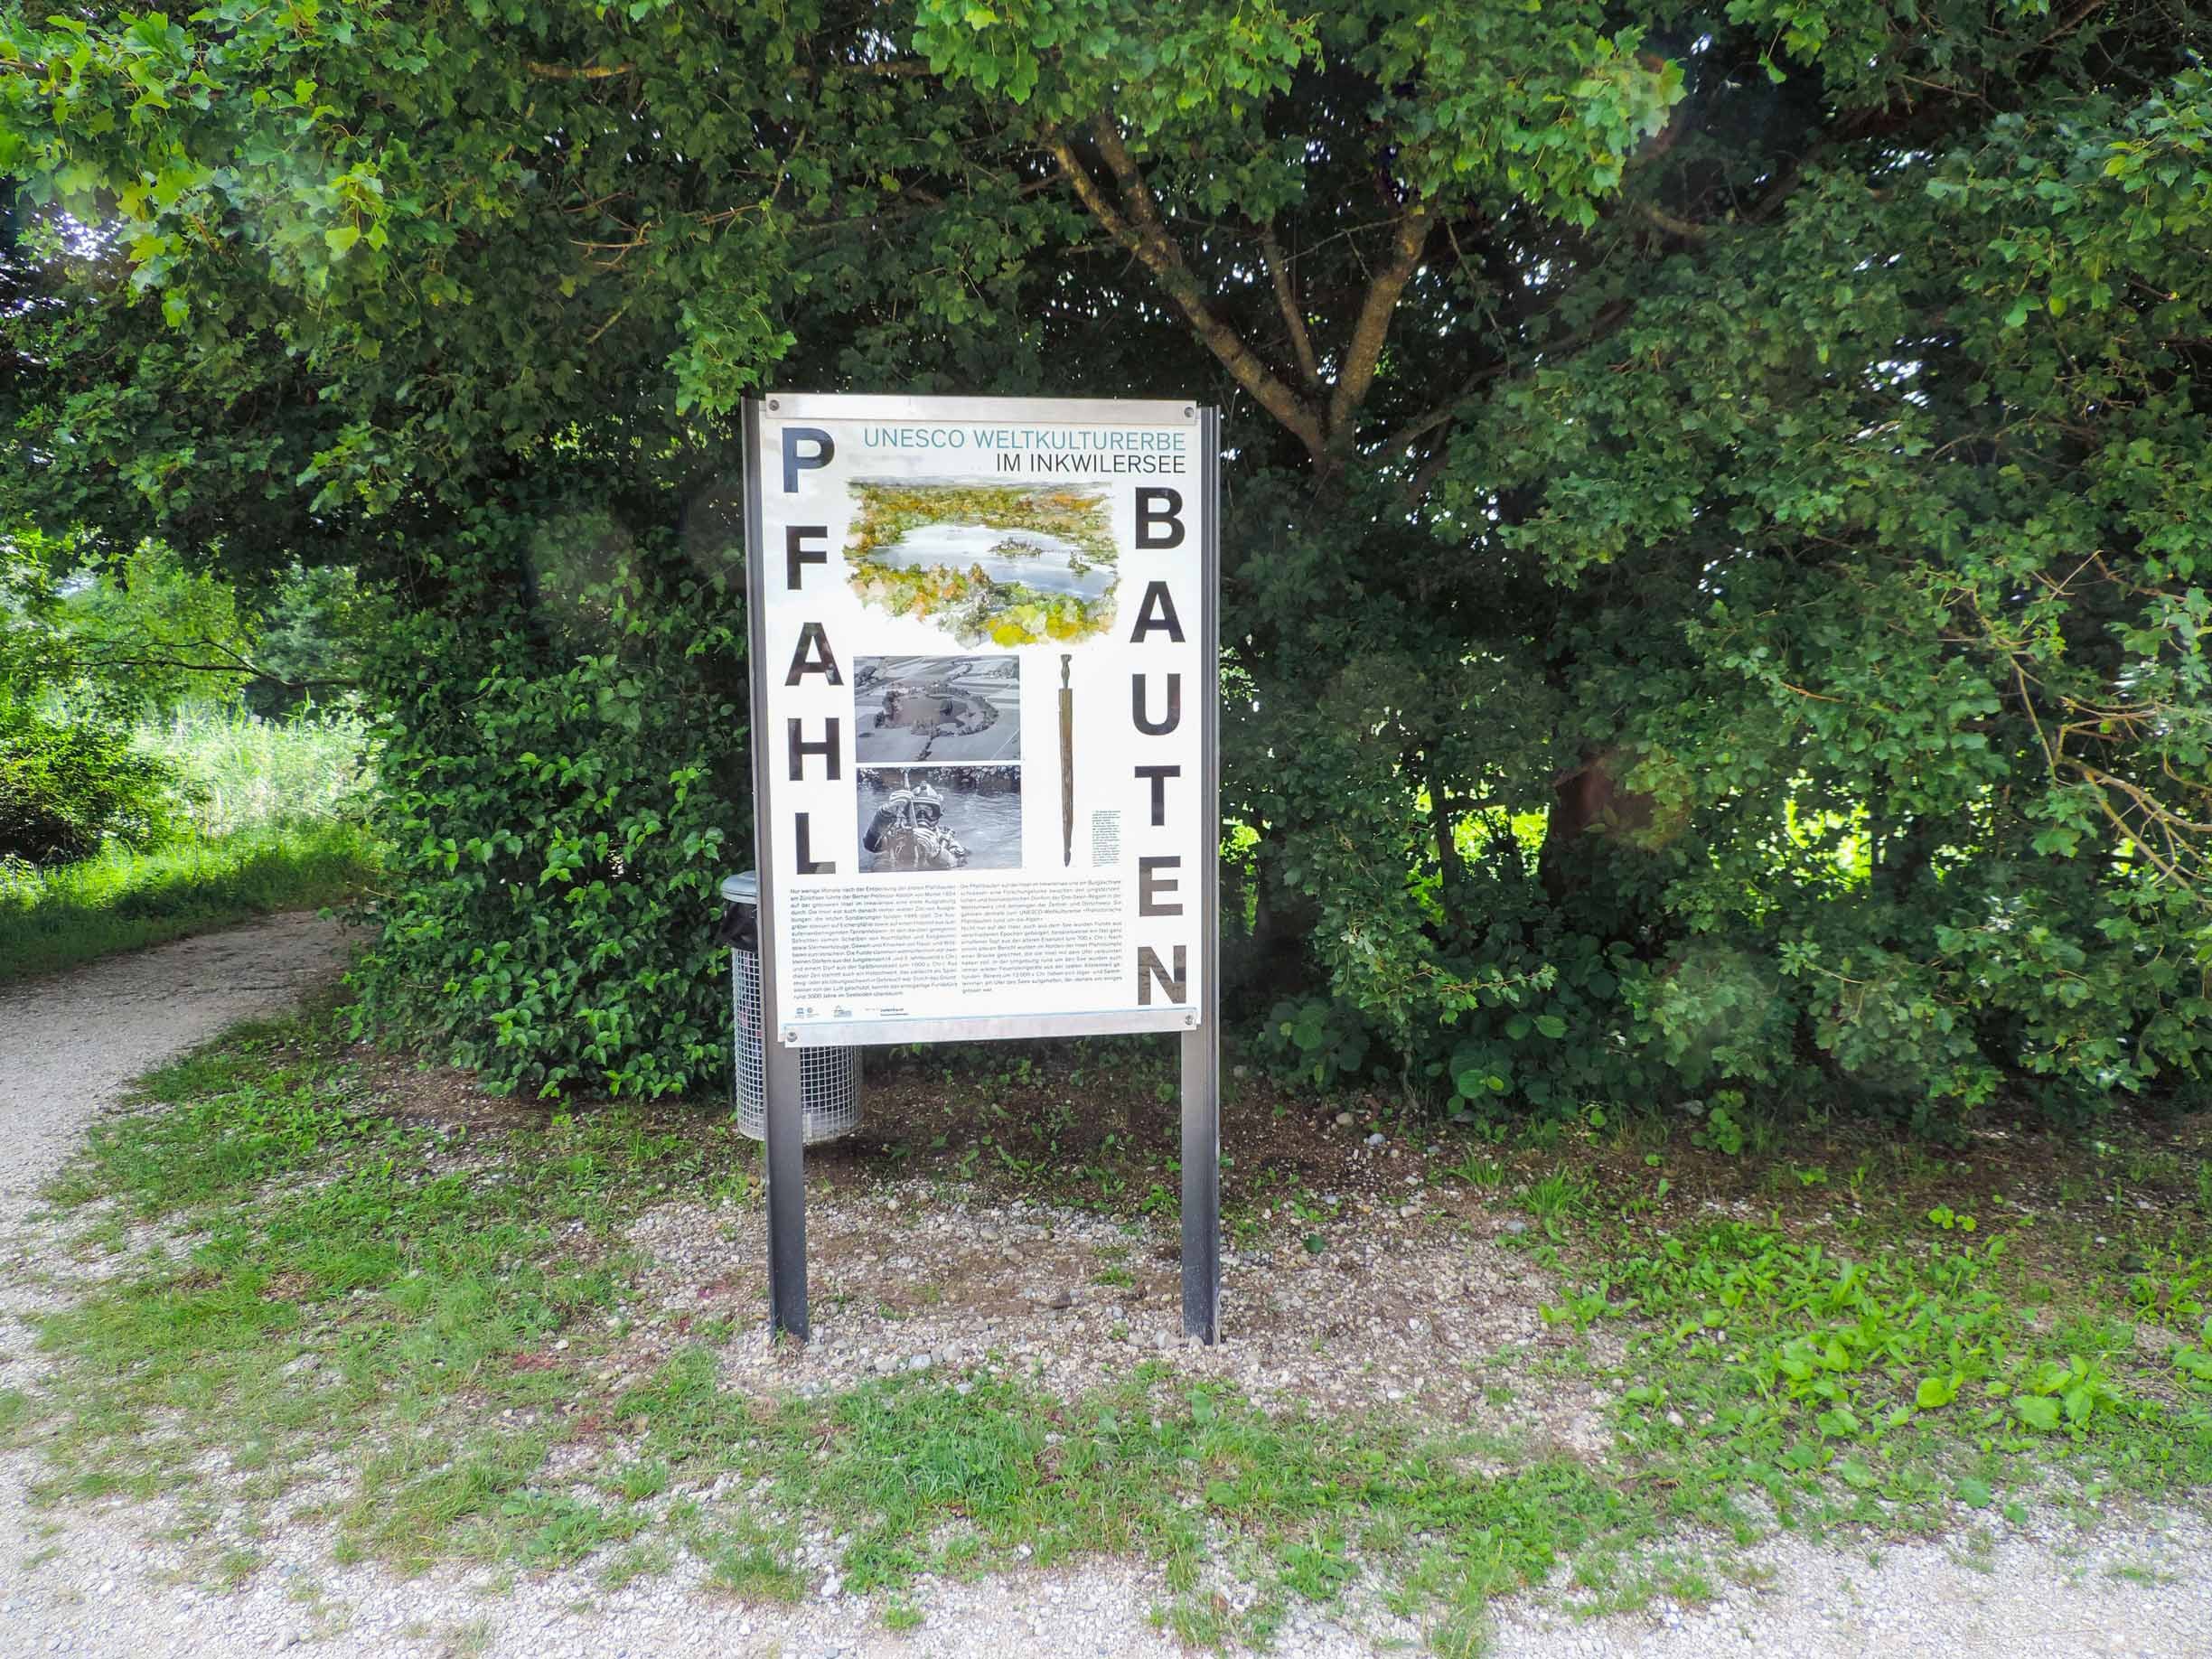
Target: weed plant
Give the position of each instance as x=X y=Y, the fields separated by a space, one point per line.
x=247 y=772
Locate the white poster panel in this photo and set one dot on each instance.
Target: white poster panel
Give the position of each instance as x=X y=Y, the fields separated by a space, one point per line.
x=981 y=635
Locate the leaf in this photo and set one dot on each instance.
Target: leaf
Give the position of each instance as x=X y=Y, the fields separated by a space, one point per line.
x=1855 y=1473
x=1936 y=1391
x=1552 y=1025
x=340 y=238
x=1974 y=1493
x=2039 y=1411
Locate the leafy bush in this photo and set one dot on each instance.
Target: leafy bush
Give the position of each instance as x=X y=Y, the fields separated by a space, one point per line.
x=1811 y=538
x=1783 y=906
x=558 y=757
x=68 y=786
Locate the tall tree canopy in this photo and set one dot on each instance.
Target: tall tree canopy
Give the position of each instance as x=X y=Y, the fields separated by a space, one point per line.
x=1717 y=494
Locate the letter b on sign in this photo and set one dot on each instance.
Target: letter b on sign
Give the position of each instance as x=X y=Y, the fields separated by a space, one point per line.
x=1160 y=518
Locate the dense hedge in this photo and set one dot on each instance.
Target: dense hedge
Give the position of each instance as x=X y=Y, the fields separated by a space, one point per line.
x=1721 y=502
x=563 y=754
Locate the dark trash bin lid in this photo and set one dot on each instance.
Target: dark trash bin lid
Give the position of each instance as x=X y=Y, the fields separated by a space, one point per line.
x=741 y=889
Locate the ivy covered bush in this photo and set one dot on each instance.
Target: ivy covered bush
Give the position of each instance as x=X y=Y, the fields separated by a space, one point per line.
x=561 y=719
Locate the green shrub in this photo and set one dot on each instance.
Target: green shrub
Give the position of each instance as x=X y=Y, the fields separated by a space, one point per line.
x=68 y=786
x=562 y=765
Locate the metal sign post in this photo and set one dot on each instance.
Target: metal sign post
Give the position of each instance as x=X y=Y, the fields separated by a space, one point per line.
x=1202 y=1047
x=784 y=1128
x=985 y=749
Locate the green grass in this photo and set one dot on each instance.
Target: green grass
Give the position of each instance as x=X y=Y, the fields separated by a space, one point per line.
x=273 y=812
x=252 y=774
x=456 y=1317
x=433 y=1308
x=1912 y=1363
x=122 y=900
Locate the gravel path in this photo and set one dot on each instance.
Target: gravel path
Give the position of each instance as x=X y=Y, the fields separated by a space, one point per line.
x=101 y=1579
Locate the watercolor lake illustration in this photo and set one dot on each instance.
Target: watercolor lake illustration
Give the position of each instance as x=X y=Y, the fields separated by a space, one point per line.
x=990 y=564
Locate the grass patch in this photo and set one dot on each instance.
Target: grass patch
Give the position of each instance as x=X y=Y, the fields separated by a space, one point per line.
x=446 y=1311
x=121 y=900
x=272 y=806
x=1911 y=1365
x=246 y=773
x=429 y=1306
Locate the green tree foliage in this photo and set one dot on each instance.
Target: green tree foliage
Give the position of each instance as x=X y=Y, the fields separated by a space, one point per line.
x=311 y=637
x=1717 y=496
x=70 y=780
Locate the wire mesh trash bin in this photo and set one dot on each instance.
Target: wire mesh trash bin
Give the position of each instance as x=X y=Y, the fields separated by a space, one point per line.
x=828 y=1078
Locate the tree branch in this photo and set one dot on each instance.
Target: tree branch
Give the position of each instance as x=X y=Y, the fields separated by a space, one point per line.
x=1294 y=315
x=1673 y=224
x=1363 y=352
x=1431 y=469
x=575 y=71
x=240 y=669
x=1143 y=232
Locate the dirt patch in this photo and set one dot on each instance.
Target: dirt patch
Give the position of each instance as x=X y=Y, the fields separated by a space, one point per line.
x=411 y=1091
x=1432 y=1317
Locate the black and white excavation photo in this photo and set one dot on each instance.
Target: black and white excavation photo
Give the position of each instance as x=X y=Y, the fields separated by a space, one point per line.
x=940 y=817
x=937 y=708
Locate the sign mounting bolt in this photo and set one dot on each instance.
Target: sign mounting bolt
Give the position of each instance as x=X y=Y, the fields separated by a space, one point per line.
x=775 y=403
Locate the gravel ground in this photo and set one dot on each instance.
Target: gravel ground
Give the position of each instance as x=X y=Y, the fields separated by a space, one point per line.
x=113 y=1579
x=1398 y=1313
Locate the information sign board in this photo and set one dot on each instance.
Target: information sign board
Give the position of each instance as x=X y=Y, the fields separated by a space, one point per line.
x=984 y=741
x=982 y=631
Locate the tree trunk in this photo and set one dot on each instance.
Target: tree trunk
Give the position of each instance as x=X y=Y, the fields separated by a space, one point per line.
x=1451 y=872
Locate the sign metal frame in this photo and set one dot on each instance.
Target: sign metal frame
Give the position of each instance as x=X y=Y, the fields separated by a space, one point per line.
x=1197 y=1024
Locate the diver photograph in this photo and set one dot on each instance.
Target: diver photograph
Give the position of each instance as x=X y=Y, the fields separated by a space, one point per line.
x=940 y=817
